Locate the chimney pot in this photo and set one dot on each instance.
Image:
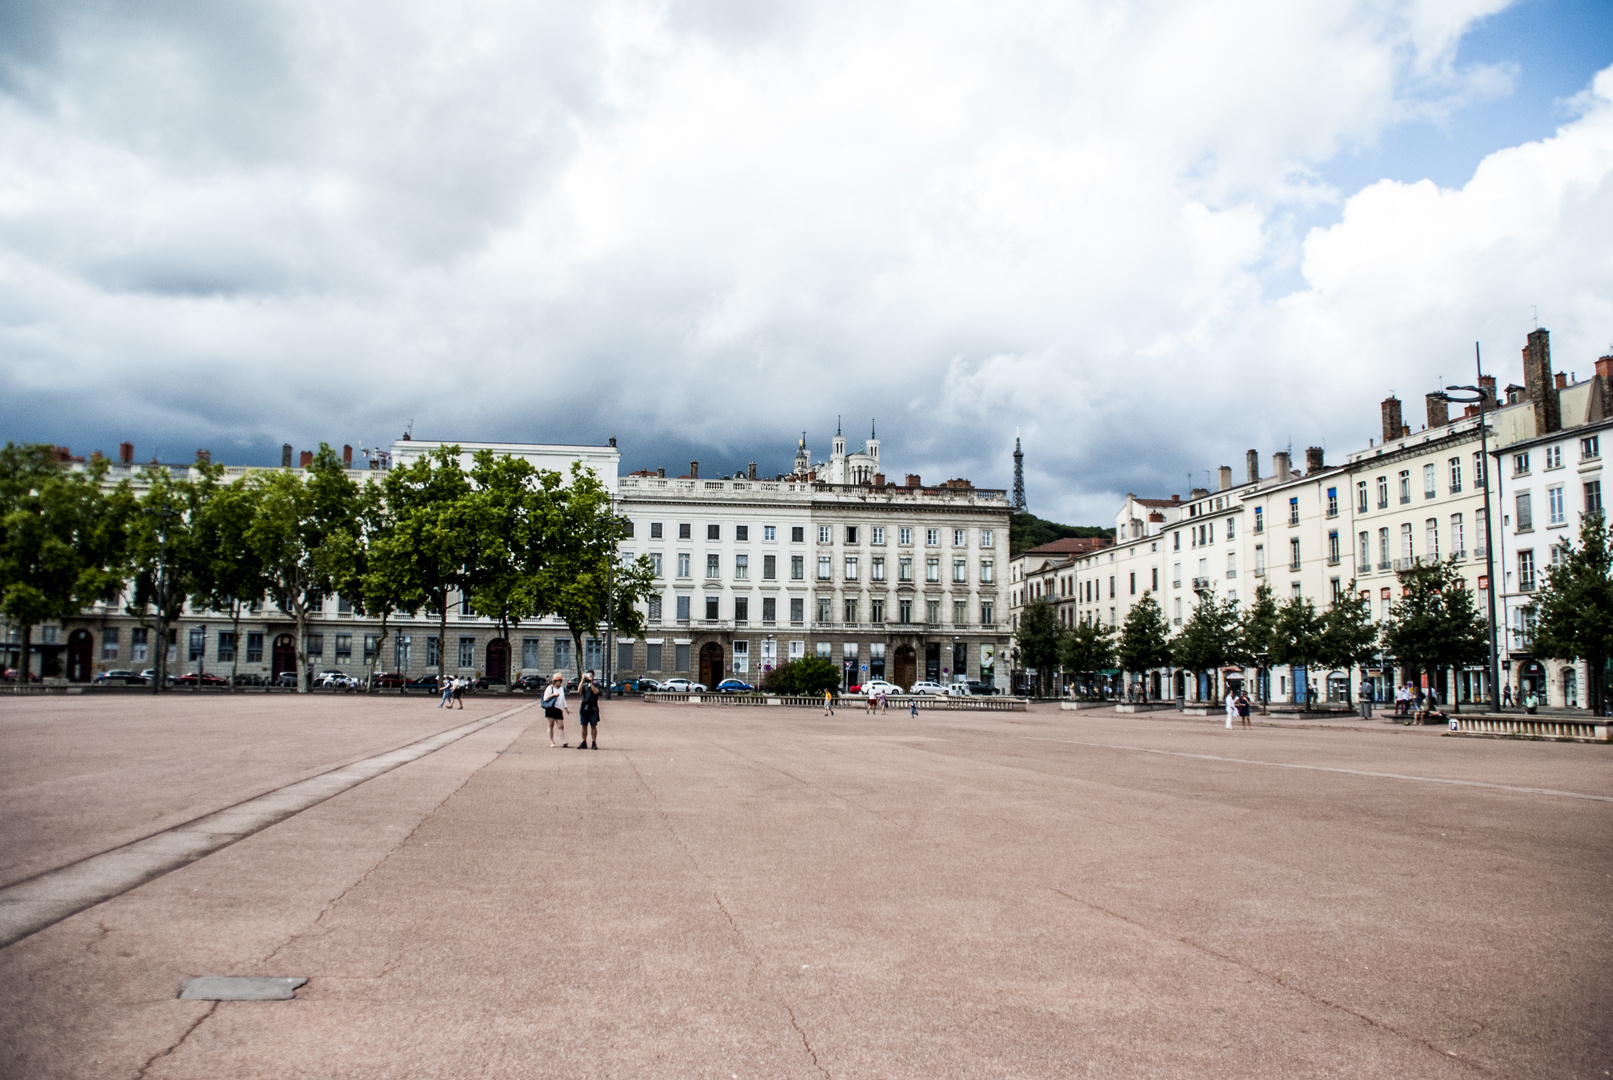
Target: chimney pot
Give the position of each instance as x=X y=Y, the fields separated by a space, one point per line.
x=1604 y=367
x=347 y=456
x=1439 y=410
x=750 y=471
x=694 y=470
x=1252 y=459
x=613 y=442
x=913 y=480
x=1391 y=418
x=126 y=452
x=1280 y=465
x=305 y=459
x=1225 y=477
x=1538 y=383
x=1313 y=459
x=1561 y=379
x=285 y=455
x=661 y=471
x=204 y=457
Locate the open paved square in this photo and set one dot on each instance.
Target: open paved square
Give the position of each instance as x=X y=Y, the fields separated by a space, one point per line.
x=733 y=892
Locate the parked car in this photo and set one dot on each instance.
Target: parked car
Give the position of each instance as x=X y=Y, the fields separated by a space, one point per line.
x=487 y=682
x=927 y=687
x=151 y=673
x=971 y=688
x=648 y=686
x=336 y=680
x=117 y=675
x=10 y=675
x=735 y=686
x=532 y=684
x=683 y=686
x=422 y=682
x=250 y=678
x=388 y=680
x=879 y=686
x=206 y=678
x=287 y=678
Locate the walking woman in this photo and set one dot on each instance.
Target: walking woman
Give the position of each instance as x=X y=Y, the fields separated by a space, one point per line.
x=554 y=707
x=588 y=709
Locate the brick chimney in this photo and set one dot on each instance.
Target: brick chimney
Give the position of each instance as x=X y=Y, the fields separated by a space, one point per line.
x=285 y=455
x=305 y=459
x=1487 y=388
x=694 y=470
x=1252 y=459
x=1392 y=423
x=1537 y=383
x=1225 y=476
x=750 y=471
x=913 y=480
x=347 y=457
x=1439 y=409
x=660 y=471
x=126 y=452
x=1281 y=467
x=1313 y=459
x=1562 y=380
x=204 y=457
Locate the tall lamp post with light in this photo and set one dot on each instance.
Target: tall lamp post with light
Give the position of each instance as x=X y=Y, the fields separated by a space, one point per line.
x=1477 y=395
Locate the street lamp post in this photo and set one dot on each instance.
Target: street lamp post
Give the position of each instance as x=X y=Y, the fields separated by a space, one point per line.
x=1479 y=396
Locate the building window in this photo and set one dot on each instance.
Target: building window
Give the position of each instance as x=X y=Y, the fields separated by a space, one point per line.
x=713 y=566
x=741 y=609
x=683 y=564
x=1430 y=482
x=1232 y=567
x=627 y=527
x=960 y=570
x=877 y=610
x=1383 y=493
x=904 y=611
x=373 y=642
x=960 y=613
x=1155 y=579
x=988 y=613
x=1590 y=447
x=1526 y=521
x=467 y=652
x=402 y=650
x=1333 y=547
x=769 y=532
x=1111 y=586
x=741 y=532
x=654 y=605
x=1456 y=475
x=1365 y=558
x=849 y=609
x=932 y=612
x=1133 y=583
x=1431 y=539
x=986 y=572
x=1526 y=571
x=684 y=531
x=109 y=645
x=960 y=537
x=655 y=563
x=712 y=612
x=431 y=651
x=624 y=656
x=741 y=567
x=1293 y=511
x=1458 y=537
x=344 y=606
x=254 y=646
x=344 y=648
x=932 y=537
x=876 y=535
x=851 y=534
x=825 y=567
x=904 y=536
x=1405 y=544
x=680 y=656
x=1405 y=486
x=1260 y=519
x=986 y=538
x=1480 y=473
x=1260 y=564
x=1520 y=464
x=1593 y=497
x=797 y=610
x=797 y=568
x=823 y=609
x=1335 y=588
x=851 y=568
x=741 y=657
x=196 y=642
x=531 y=653
x=1383 y=549
x=1333 y=502
x=932 y=568
x=683 y=609
x=1361 y=496
x=1293 y=553
x=316 y=646
x=713 y=532
x=1555 y=513
x=769 y=567
x=1554 y=457
x=652 y=656
x=876 y=568
x=655 y=530
x=797 y=534
x=904 y=568
x=825 y=536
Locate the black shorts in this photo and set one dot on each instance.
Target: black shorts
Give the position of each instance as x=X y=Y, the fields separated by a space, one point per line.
x=553 y=713
x=586 y=722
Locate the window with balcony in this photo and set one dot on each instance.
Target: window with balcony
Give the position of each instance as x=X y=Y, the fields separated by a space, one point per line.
x=1333 y=556
x=1232 y=564
x=1405 y=486
x=1383 y=549
x=1430 y=481
x=932 y=612
x=1361 y=497
x=904 y=611
x=797 y=609
x=769 y=610
x=960 y=613
x=1458 y=537
x=1406 y=552
x=1431 y=539
x=1364 y=558
x=1332 y=502
x=1260 y=519
x=712 y=612
x=825 y=567
x=1526 y=571
x=1293 y=511
x=683 y=609
x=1593 y=497
x=713 y=566
x=1293 y=553
x=1260 y=562
x=988 y=613
x=1455 y=477
x=876 y=610
x=1383 y=493
x=1590 y=448
x=1480 y=473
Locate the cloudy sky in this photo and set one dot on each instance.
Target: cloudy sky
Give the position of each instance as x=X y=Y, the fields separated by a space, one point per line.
x=1147 y=234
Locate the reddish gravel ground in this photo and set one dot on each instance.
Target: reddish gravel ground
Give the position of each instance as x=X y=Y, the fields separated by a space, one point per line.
x=764 y=892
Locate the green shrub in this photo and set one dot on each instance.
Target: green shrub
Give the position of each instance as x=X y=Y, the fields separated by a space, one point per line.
x=810 y=675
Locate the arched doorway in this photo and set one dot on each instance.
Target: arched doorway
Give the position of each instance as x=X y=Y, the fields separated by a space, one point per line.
x=498 y=659
x=1532 y=676
x=711 y=664
x=284 y=657
x=79 y=649
x=906 y=667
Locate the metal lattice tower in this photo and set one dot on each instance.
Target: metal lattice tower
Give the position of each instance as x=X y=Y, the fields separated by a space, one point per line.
x=1019 y=477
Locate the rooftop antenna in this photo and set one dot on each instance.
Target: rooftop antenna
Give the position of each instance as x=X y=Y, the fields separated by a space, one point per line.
x=1536 y=309
x=1019 y=476
x=408 y=432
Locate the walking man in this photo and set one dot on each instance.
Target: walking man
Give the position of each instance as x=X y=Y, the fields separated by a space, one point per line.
x=828 y=703
x=446 y=685
x=588 y=709
x=554 y=707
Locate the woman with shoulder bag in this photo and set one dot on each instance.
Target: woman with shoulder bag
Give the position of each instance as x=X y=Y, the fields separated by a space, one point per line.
x=554 y=707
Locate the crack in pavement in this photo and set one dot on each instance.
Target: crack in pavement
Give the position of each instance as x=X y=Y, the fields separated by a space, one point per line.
x=806 y=1042
x=177 y=1043
x=1277 y=979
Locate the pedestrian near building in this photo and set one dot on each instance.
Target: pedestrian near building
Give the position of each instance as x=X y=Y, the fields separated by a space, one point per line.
x=588 y=710
x=1506 y=696
x=1242 y=705
x=828 y=703
x=554 y=707
x=459 y=691
x=1232 y=708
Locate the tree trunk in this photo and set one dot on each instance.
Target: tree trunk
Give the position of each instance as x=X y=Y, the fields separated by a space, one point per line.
x=299 y=615
x=375 y=657
x=442 y=640
x=25 y=658
x=159 y=664
x=235 y=667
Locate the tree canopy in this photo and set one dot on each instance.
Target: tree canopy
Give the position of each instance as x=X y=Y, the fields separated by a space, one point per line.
x=1575 y=608
x=1435 y=624
x=1144 y=637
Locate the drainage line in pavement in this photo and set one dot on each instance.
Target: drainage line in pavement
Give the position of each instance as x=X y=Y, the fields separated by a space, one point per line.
x=29 y=906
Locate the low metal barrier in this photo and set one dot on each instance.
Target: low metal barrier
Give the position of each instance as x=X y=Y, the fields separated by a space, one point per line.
x=1532 y=727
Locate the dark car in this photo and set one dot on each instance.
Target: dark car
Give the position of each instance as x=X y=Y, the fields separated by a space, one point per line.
x=422 y=682
x=249 y=678
x=206 y=678
x=10 y=675
x=388 y=680
x=530 y=683
x=734 y=686
x=487 y=682
x=119 y=675
x=287 y=678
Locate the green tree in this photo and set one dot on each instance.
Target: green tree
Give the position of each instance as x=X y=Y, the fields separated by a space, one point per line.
x=584 y=581
x=1038 y=639
x=810 y=675
x=234 y=578
x=1256 y=628
x=372 y=568
x=1088 y=648
x=1348 y=637
x=1296 y=637
x=1435 y=624
x=1144 y=638
x=62 y=540
x=1575 y=608
x=169 y=556
x=429 y=500
x=1210 y=639
x=297 y=521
